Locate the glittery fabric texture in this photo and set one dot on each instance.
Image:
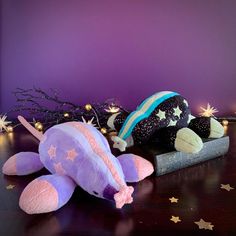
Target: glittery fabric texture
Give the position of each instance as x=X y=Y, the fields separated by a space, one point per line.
x=172 y=112
x=201 y=126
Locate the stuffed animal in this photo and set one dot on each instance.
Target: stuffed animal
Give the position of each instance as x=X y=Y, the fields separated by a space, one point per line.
x=164 y=117
x=76 y=154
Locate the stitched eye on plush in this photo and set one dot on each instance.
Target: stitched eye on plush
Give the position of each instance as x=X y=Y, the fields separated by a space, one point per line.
x=95 y=192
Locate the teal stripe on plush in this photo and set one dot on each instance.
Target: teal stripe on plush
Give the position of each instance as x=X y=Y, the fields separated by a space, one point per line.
x=147 y=99
x=140 y=108
x=145 y=115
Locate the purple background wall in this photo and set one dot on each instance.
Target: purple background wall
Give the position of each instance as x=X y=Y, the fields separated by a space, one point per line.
x=93 y=50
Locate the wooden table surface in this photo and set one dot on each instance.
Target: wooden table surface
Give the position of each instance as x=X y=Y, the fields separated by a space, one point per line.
x=197 y=188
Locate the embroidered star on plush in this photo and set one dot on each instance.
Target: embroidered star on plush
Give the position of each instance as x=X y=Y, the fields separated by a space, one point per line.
x=172 y=123
x=52 y=152
x=71 y=155
x=175 y=219
x=226 y=187
x=161 y=114
x=59 y=169
x=177 y=111
x=204 y=225
x=10 y=186
x=173 y=200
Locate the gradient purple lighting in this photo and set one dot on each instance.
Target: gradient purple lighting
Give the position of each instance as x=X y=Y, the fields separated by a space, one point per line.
x=94 y=50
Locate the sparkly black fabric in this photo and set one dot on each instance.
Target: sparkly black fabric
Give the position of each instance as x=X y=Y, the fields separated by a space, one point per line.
x=201 y=126
x=164 y=122
x=146 y=128
x=166 y=136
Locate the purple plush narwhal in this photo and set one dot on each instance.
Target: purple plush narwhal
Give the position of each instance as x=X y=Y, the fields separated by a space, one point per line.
x=76 y=154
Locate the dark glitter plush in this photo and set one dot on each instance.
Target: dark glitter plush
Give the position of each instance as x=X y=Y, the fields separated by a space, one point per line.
x=120 y=119
x=201 y=126
x=165 y=121
x=147 y=128
x=166 y=136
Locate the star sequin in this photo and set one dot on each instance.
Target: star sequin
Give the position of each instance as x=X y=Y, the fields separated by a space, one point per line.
x=59 y=169
x=161 y=114
x=177 y=111
x=172 y=123
x=10 y=186
x=175 y=219
x=71 y=155
x=226 y=187
x=204 y=225
x=52 y=152
x=173 y=200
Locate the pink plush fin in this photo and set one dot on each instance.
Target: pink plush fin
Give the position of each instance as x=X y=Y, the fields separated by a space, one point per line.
x=22 y=163
x=46 y=194
x=135 y=168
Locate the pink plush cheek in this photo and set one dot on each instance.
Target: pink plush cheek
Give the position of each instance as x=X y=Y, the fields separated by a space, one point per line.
x=9 y=168
x=144 y=167
x=39 y=196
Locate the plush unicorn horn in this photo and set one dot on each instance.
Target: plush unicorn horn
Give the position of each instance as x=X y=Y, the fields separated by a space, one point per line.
x=76 y=154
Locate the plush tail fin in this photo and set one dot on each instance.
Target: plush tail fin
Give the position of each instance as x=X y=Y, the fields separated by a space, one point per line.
x=30 y=128
x=22 y=163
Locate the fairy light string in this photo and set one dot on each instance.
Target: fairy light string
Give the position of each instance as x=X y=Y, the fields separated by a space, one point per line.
x=32 y=102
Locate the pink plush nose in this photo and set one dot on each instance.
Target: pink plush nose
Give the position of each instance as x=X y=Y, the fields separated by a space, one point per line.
x=124 y=196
